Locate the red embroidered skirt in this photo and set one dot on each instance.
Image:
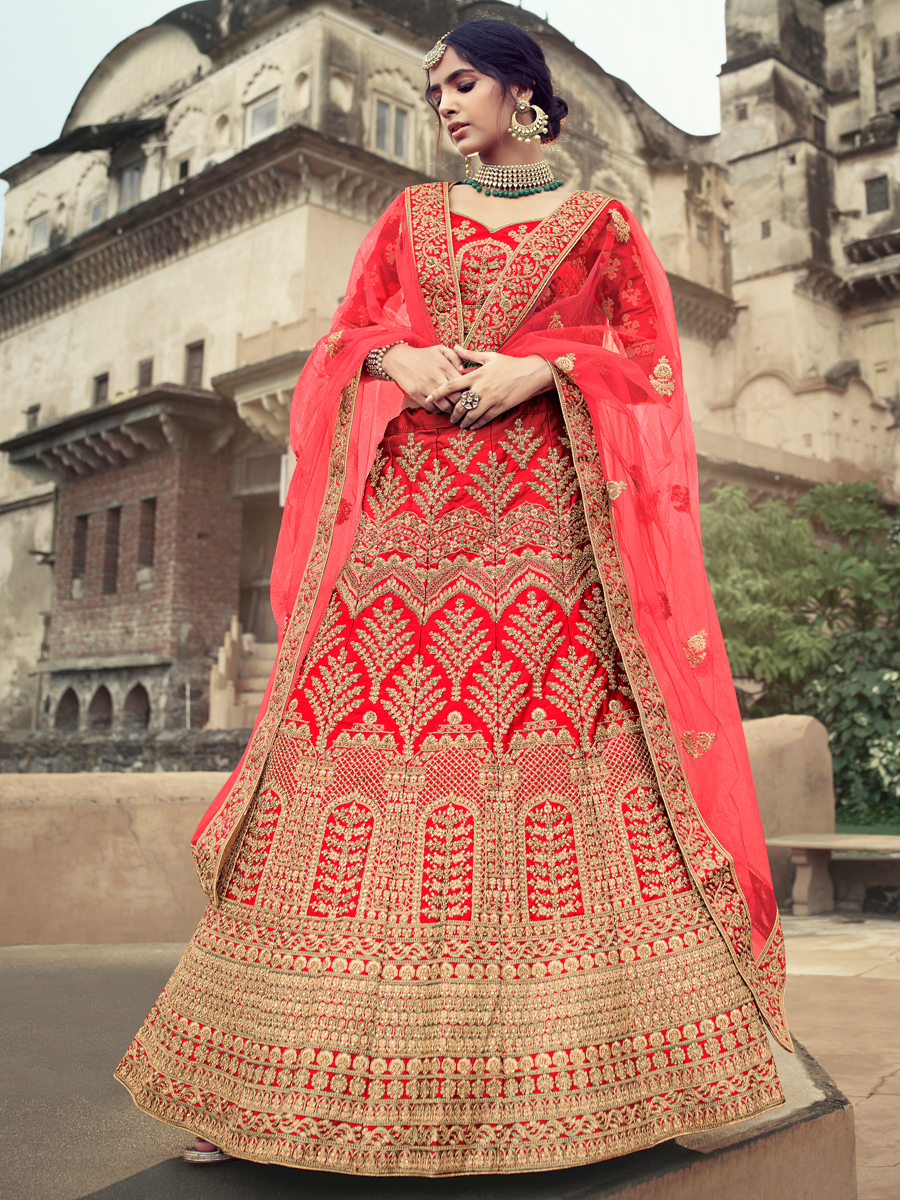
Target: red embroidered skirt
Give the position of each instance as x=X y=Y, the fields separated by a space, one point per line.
x=457 y=933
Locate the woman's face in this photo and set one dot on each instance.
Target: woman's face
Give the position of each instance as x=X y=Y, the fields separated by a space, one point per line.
x=473 y=109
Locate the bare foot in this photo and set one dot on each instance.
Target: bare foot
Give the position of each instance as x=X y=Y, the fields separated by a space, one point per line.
x=202 y=1144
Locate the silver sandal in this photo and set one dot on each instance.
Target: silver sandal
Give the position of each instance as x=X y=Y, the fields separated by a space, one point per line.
x=190 y=1155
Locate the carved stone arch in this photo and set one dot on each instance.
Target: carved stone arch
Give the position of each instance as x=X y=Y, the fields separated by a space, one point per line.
x=92 y=185
x=395 y=84
x=397 y=88
x=100 y=709
x=39 y=204
x=782 y=373
x=68 y=711
x=224 y=129
x=448 y=874
x=136 y=708
x=265 y=79
x=188 y=137
x=179 y=114
x=764 y=407
x=301 y=90
x=609 y=181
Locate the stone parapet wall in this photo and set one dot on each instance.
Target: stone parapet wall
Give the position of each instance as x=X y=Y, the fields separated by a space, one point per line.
x=101 y=858
x=140 y=752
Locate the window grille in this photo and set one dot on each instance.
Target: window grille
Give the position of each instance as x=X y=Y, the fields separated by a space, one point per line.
x=878 y=194
x=193 y=370
x=101 y=389
x=111 y=551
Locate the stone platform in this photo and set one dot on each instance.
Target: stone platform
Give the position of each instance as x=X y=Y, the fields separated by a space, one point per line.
x=68 y=1131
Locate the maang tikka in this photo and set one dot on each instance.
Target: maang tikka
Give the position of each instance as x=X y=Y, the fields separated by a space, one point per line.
x=436 y=53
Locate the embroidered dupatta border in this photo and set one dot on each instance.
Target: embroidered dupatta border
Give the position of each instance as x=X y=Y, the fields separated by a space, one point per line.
x=710 y=865
x=209 y=851
x=431 y=239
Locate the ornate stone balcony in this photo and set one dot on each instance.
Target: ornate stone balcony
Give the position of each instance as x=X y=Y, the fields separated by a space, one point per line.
x=113 y=435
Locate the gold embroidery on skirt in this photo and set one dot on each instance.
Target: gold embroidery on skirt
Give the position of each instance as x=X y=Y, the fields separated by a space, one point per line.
x=456 y=932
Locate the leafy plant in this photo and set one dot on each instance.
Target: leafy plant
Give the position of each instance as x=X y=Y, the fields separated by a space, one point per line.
x=810 y=609
x=760 y=560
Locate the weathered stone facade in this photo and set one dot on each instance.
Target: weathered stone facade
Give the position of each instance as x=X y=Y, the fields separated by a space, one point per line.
x=168 y=263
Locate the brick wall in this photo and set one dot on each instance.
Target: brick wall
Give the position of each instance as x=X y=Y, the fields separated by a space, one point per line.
x=181 y=606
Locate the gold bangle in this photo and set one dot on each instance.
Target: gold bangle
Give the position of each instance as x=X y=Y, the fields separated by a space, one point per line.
x=374 y=362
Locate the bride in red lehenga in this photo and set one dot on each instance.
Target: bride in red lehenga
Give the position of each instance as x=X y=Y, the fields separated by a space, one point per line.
x=488 y=890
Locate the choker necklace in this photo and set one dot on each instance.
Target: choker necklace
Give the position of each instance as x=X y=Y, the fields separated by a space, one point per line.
x=514 y=181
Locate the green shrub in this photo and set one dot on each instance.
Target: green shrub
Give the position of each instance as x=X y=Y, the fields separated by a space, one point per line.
x=810 y=610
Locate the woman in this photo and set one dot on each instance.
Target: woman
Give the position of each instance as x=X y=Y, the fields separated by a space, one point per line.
x=488 y=891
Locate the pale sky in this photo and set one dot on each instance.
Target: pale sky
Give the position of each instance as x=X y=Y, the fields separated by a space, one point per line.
x=669 y=51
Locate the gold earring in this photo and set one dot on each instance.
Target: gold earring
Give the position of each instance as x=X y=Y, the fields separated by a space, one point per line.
x=533 y=131
x=470 y=174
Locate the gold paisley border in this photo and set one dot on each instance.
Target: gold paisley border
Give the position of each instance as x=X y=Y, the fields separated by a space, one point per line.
x=431 y=240
x=710 y=865
x=212 y=846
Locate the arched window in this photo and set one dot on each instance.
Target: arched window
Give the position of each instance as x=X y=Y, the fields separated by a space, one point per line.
x=67 y=711
x=137 y=707
x=100 y=709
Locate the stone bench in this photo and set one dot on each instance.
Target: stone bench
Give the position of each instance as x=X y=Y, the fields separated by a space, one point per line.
x=810 y=853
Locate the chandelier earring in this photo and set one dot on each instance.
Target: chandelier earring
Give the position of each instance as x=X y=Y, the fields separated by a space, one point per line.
x=470 y=174
x=533 y=131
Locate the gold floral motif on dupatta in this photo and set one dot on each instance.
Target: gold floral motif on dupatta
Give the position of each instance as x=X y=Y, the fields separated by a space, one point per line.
x=620 y=225
x=695 y=648
x=697 y=742
x=663 y=377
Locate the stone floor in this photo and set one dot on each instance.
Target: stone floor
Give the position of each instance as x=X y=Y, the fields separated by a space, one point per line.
x=843 y=1001
x=69 y=1132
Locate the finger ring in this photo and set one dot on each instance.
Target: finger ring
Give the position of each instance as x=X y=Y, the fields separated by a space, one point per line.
x=469 y=399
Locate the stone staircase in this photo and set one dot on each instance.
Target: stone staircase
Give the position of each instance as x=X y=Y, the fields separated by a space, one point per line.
x=238 y=680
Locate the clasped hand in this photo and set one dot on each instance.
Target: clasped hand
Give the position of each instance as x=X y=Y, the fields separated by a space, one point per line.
x=434 y=378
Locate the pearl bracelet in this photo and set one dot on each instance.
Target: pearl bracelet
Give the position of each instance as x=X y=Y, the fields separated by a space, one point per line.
x=374 y=360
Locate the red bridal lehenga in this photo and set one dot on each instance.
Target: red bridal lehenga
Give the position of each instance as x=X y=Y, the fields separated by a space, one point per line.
x=455 y=931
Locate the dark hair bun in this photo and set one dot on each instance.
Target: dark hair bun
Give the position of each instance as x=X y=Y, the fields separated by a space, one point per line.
x=557 y=111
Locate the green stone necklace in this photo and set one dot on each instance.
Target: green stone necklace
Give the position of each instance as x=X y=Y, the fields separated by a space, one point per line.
x=512 y=181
